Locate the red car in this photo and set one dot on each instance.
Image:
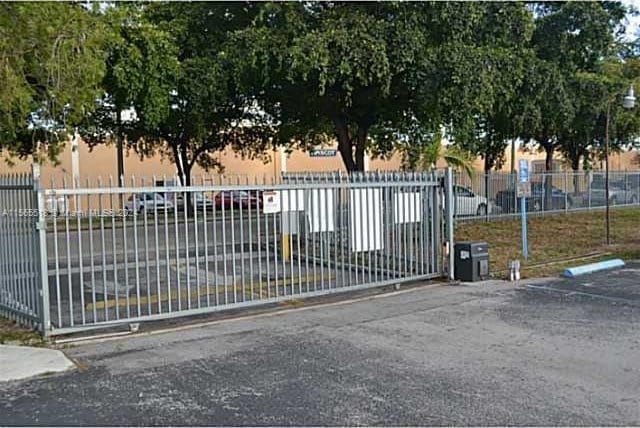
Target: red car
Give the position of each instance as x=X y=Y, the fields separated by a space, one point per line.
x=238 y=198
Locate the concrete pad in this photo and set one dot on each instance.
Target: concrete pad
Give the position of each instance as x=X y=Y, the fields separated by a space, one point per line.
x=21 y=362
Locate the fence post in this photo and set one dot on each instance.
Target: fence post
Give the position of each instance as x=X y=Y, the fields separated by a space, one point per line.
x=589 y=180
x=41 y=249
x=448 y=182
x=566 y=191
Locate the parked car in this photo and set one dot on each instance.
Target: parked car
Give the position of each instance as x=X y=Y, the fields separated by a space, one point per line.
x=238 y=198
x=468 y=203
x=147 y=202
x=200 y=200
x=620 y=192
x=538 y=201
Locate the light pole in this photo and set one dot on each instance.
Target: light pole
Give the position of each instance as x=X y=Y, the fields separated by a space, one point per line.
x=628 y=102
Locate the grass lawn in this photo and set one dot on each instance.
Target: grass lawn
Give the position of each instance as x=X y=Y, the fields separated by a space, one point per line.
x=557 y=238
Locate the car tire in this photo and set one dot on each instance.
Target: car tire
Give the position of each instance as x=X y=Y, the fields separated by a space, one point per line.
x=482 y=210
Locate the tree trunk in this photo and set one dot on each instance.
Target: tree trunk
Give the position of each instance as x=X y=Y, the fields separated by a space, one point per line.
x=184 y=175
x=361 y=139
x=344 y=145
x=548 y=181
x=575 y=166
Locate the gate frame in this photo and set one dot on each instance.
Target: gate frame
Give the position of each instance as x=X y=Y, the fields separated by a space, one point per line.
x=441 y=211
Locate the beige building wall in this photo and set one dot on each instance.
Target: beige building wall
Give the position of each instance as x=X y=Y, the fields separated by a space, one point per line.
x=101 y=162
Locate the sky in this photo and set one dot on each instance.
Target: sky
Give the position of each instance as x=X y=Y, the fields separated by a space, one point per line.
x=633 y=24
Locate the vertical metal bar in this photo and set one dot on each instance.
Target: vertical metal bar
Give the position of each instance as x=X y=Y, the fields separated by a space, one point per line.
x=234 y=280
x=192 y=198
x=41 y=250
x=286 y=242
x=289 y=250
x=102 y=214
x=449 y=202
x=19 y=237
x=187 y=246
x=334 y=232
x=275 y=247
x=141 y=208
x=365 y=226
x=68 y=255
x=176 y=241
x=214 y=223
x=91 y=255
x=166 y=245
x=310 y=208
x=253 y=196
x=125 y=232
x=205 y=207
x=146 y=245
x=267 y=260
x=80 y=255
x=157 y=246
x=313 y=230
x=224 y=246
x=298 y=231
x=56 y=256
x=242 y=268
x=377 y=222
x=259 y=234
x=321 y=231
x=113 y=247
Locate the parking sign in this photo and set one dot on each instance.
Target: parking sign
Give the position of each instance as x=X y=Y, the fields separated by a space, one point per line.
x=523 y=170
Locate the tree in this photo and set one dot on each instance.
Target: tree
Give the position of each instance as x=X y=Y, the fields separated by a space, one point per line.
x=171 y=68
x=51 y=66
x=569 y=38
x=424 y=157
x=370 y=75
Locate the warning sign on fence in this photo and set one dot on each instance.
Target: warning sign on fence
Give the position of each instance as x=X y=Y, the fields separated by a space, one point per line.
x=271 y=202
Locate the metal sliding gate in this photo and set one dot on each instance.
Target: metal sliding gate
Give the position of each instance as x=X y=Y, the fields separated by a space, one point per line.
x=22 y=293
x=155 y=250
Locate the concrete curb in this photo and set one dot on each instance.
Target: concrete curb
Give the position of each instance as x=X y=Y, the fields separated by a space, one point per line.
x=592 y=267
x=21 y=362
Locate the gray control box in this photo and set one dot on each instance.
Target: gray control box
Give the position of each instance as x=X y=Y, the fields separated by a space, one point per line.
x=471 y=261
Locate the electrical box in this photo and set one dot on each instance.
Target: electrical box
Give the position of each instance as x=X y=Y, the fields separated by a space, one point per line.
x=471 y=261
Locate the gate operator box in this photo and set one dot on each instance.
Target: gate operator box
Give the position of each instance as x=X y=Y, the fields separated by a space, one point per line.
x=471 y=261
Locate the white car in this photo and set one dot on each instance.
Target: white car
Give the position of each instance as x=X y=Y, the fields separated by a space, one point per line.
x=147 y=202
x=467 y=203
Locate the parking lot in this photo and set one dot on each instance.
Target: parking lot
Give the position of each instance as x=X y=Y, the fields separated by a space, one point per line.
x=551 y=352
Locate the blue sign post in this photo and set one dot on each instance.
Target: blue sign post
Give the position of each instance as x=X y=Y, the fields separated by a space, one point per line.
x=523 y=177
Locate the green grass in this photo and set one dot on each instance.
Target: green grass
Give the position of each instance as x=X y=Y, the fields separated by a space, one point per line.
x=556 y=238
x=14 y=334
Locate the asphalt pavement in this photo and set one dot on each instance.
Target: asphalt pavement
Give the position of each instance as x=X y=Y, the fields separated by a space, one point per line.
x=553 y=352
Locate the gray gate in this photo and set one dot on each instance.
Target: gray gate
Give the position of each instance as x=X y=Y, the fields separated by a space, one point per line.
x=21 y=282
x=157 y=250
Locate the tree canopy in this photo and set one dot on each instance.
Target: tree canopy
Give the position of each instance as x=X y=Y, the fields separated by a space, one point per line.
x=52 y=61
x=381 y=78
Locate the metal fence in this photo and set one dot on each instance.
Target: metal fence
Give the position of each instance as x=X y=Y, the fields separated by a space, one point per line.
x=155 y=250
x=20 y=248
x=493 y=195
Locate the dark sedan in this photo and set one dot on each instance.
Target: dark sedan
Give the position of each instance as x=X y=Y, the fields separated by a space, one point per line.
x=238 y=198
x=538 y=201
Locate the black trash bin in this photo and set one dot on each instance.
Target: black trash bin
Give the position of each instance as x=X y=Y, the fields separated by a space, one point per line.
x=471 y=261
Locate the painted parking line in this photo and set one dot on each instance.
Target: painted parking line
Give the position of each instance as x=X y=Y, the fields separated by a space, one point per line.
x=567 y=292
x=205 y=290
